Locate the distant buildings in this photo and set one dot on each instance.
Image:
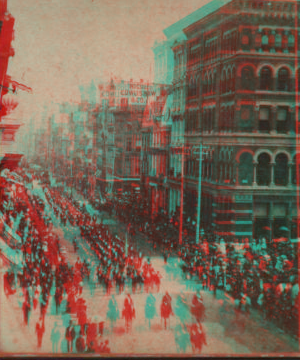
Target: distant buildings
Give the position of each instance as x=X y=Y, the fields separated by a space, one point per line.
x=226 y=78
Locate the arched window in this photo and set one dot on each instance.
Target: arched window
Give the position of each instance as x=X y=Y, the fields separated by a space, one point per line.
x=231 y=118
x=190 y=87
x=213 y=118
x=221 y=119
x=197 y=86
x=228 y=81
x=248 y=79
x=194 y=87
x=266 y=78
x=223 y=84
x=263 y=172
x=209 y=84
x=205 y=85
x=281 y=173
x=214 y=82
x=283 y=79
x=226 y=123
x=204 y=120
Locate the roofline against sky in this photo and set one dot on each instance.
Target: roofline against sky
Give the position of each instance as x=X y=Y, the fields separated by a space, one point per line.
x=176 y=29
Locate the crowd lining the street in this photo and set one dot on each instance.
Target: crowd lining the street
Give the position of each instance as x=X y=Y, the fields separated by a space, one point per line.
x=256 y=274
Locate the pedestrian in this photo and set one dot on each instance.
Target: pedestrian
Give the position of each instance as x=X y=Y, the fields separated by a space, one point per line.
x=182 y=338
x=150 y=308
x=80 y=343
x=70 y=335
x=113 y=311
x=40 y=329
x=197 y=337
x=166 y=308
x=91 y=332
x=26 y=309
x=182 y=310
x=197 y=308
x=55 y=336
x=128 y=312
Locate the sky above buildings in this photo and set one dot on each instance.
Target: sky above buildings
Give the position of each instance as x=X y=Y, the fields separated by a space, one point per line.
x=60 y=44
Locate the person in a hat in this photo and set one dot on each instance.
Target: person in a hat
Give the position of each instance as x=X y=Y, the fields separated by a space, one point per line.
x=197 y=308
x=70 y=335
x=128 y=312
x=40 y=329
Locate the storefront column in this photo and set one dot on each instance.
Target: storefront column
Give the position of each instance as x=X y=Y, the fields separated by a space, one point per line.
x=272 y=173
x=290 y=167
x=254 y=173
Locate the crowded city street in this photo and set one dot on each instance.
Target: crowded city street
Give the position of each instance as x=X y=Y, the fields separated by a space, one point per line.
x=227 y=328
x=149 y=178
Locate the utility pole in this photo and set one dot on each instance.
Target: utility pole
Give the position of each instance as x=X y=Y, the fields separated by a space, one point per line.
x=199 y=194
x=181 y=196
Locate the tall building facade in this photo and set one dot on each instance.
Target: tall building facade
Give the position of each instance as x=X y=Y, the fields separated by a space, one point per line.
x=234 y=89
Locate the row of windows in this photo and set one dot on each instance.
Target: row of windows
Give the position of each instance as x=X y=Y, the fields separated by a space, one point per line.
x=266 y=41
x=158 y=165
x=283 y=82
x=225 y=171
x=266 y=173
x=267 y=81
x=279 y=120
x=268 y=5
x=262 y=40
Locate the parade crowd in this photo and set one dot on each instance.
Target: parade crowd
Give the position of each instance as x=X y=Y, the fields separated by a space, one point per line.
x=256 y=274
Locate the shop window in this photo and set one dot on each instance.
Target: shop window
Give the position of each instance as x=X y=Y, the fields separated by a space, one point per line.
x=263 y=172
x=281 y=173
x=264 y=119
